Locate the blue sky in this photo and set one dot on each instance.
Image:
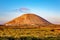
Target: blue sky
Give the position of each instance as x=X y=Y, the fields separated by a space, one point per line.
x=48 y=9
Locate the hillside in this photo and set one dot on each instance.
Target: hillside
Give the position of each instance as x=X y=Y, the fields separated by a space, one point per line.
x=28 y=19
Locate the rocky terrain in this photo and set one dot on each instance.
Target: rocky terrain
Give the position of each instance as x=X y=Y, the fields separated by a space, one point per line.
x=28 y=19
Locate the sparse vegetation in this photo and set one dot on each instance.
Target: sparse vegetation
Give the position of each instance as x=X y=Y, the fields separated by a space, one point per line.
x=30 y=38
x=50 y=32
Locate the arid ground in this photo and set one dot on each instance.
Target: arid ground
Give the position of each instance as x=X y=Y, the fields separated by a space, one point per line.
x=41 y=32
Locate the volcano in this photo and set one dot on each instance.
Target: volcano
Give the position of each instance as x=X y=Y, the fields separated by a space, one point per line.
x=28 y=19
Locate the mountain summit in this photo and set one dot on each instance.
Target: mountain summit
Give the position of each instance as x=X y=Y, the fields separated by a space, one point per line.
x=28 y=19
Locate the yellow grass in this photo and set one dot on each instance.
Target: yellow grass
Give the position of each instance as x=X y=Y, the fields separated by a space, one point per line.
x=35 y=32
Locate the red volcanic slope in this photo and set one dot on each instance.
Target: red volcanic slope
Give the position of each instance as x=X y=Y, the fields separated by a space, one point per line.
x=28 y=19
